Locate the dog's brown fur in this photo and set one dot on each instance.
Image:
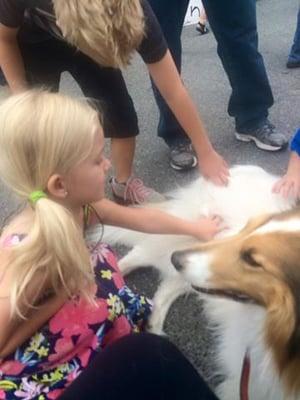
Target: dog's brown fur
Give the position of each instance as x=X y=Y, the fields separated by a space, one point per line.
x=265 y=267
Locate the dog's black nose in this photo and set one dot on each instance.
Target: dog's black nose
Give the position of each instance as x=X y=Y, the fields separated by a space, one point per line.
x=176 y=259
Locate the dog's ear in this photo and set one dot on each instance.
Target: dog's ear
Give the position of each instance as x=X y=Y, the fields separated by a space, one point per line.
x=256 y=222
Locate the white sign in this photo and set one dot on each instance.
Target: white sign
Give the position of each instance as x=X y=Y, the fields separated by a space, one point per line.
x=193 y=12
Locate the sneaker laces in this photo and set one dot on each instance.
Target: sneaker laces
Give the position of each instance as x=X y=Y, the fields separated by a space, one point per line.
x=268 y=128
x=136 y=191
x=182 y=147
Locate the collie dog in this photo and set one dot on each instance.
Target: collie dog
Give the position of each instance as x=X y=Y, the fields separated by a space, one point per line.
x=249 y=277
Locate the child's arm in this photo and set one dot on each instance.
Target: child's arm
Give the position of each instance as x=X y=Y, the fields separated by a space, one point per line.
x=151 y=220
x=289 y=184
x=11 y=61
x=15 y=331
x=169 y=83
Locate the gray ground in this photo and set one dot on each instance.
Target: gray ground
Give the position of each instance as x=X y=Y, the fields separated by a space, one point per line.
x=207 y=82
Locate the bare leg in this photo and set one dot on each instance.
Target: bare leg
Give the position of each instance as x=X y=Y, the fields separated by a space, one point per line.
x=203 y=17
x=128 y=191
x=122 y=154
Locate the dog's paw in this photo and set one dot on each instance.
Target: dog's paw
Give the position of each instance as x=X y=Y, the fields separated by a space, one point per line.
x=156 y=323
x=124 y=266
x=131 y=261
x=157 y=330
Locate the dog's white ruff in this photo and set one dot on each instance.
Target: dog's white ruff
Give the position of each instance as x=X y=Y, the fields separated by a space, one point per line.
x=239 y=326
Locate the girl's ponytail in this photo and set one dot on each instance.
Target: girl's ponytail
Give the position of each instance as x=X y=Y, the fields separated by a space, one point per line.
x=41 y=134
x=52 y=253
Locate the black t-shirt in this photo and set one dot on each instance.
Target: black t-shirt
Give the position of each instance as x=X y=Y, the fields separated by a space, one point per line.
x=37 y=22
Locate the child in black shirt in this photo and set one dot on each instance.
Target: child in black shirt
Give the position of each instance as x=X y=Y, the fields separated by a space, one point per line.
x=33 y=50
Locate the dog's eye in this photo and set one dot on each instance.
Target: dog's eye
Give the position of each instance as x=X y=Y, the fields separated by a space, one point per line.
x=247 y=256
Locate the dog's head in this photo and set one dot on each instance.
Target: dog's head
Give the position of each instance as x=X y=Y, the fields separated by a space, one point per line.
x=261 y=264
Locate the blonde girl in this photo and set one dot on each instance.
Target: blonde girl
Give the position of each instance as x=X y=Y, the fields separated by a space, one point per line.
x=60 y=300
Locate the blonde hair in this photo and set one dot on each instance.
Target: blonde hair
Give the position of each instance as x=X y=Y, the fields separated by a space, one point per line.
x=108 y=31
x=41 y=134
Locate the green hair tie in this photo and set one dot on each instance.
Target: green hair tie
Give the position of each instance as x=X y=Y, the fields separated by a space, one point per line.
x=37 y=195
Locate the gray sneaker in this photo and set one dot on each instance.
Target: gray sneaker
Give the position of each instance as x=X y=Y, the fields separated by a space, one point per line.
x=134 y=192
x=293 y=64
x=182 y=157
x=265 y=137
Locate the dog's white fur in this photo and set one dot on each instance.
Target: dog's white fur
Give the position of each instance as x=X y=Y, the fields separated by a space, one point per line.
x=239 y=326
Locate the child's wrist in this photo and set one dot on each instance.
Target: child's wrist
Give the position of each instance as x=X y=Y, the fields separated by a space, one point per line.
x=190 y=229
x=294 y=164
x=195 y=230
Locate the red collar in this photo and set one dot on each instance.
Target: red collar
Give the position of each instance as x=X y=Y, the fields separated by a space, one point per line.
x=245 y=376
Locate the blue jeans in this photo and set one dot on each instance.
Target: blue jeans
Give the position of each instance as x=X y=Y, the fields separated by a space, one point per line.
x=295 y=50
x=171 y=19
x=233 y=23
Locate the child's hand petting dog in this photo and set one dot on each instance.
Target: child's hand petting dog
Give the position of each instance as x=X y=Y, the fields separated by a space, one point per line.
x=289 y=184
x=206 y=228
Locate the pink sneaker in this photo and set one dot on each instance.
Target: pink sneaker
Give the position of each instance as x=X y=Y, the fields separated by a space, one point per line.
x=134 y=192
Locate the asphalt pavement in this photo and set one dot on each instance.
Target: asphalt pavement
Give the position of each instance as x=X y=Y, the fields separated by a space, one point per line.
x=205 y=79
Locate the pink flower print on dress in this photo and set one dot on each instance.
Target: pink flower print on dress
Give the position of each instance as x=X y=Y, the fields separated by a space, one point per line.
x=64 y=349
x=112 y=261
x=118 y=280
x=68 y=348
x=120 y=328
x=13 y=368
x=73 y=375
x=75 y=317
x=2 y=395
x=99 y=253
x=55 y=394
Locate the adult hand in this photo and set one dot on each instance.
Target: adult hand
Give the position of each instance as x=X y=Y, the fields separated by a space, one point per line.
x=214 y=167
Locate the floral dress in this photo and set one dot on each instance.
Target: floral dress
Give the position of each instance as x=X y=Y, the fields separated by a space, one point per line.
x=54 y=356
